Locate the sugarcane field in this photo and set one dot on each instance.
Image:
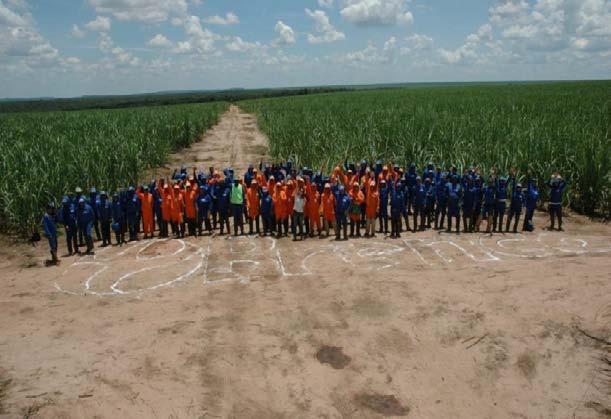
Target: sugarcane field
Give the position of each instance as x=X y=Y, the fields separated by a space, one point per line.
x=419 y=232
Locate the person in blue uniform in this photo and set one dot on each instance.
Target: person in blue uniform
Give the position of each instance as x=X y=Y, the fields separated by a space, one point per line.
x=383 y=209
x=501 y=204
x=93 y=200
x=468 y=203
x=556 y=187
x=157 y=209
x=85 y=217
x=132 y=211
x=342 y=207
x=50 y=232
x=454 y=198
x=418 y=202
x=104 y=213
x=410 y=180
x=532 y=198
x=267 y=212
x=224 y=206
x=489 y=202
x=428 y=172
x=441 y=200
x=68 y=219
x=478 y=198
x=118 y=219
x=203 y=210
x=429 y=200
x=518 y=200
x=78 y=194
x=397 y=208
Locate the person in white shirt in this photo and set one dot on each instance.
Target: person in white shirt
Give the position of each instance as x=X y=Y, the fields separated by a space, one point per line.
x=298 y=208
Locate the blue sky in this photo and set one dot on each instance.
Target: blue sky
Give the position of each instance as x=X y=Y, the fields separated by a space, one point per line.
x=76 y=47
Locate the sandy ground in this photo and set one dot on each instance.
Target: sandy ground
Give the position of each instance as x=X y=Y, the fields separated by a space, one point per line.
x=429 y=326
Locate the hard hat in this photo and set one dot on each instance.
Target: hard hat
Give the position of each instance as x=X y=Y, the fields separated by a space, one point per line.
x=78 y=190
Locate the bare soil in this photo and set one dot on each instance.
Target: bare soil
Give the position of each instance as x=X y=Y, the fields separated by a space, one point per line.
x=428 y=326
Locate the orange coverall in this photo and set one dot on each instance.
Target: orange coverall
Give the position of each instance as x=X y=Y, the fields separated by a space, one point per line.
x=146 y=209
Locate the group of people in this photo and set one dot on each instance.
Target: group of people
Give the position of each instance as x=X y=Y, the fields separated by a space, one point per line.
x=280 y=199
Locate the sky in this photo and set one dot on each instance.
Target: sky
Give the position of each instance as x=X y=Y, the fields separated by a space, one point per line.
x=66 y=48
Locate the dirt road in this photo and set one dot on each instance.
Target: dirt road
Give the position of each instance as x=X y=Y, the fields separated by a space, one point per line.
x=234 y=142
x=428 y=326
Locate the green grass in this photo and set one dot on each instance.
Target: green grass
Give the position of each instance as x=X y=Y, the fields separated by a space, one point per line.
x=44 y=155
x=538 y=128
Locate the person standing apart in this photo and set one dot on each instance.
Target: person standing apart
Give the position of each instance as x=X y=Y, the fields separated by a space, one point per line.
x=50 y=232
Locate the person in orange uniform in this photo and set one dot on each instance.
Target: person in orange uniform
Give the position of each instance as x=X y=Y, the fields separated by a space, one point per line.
x=328 y=208
x=253 y=206
x=190 y=199
x=371 y=209
x=146 y=208
x=178 y=207
x=358 y=198
x=291 y=187
x=166 y=205
x=281 y=209
x=312 y=207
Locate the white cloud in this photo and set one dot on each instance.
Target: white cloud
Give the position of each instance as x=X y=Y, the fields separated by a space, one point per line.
x=229 y=19
x=77 y=32
x=239 y=45
x=419 y=41
x=22 y=47
x=160 y=41
x=10 y=18
x=327 y=4
x=520 y=31
x=286 y=35
x=507 y=10
x=370 y=54
x=377 y=12
x=544 y=31
x=183 y=47
x=73 y=60
x=284 y=60
x=199 y=40
x=325 y=31
x=149 y=11
x=99 y=24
